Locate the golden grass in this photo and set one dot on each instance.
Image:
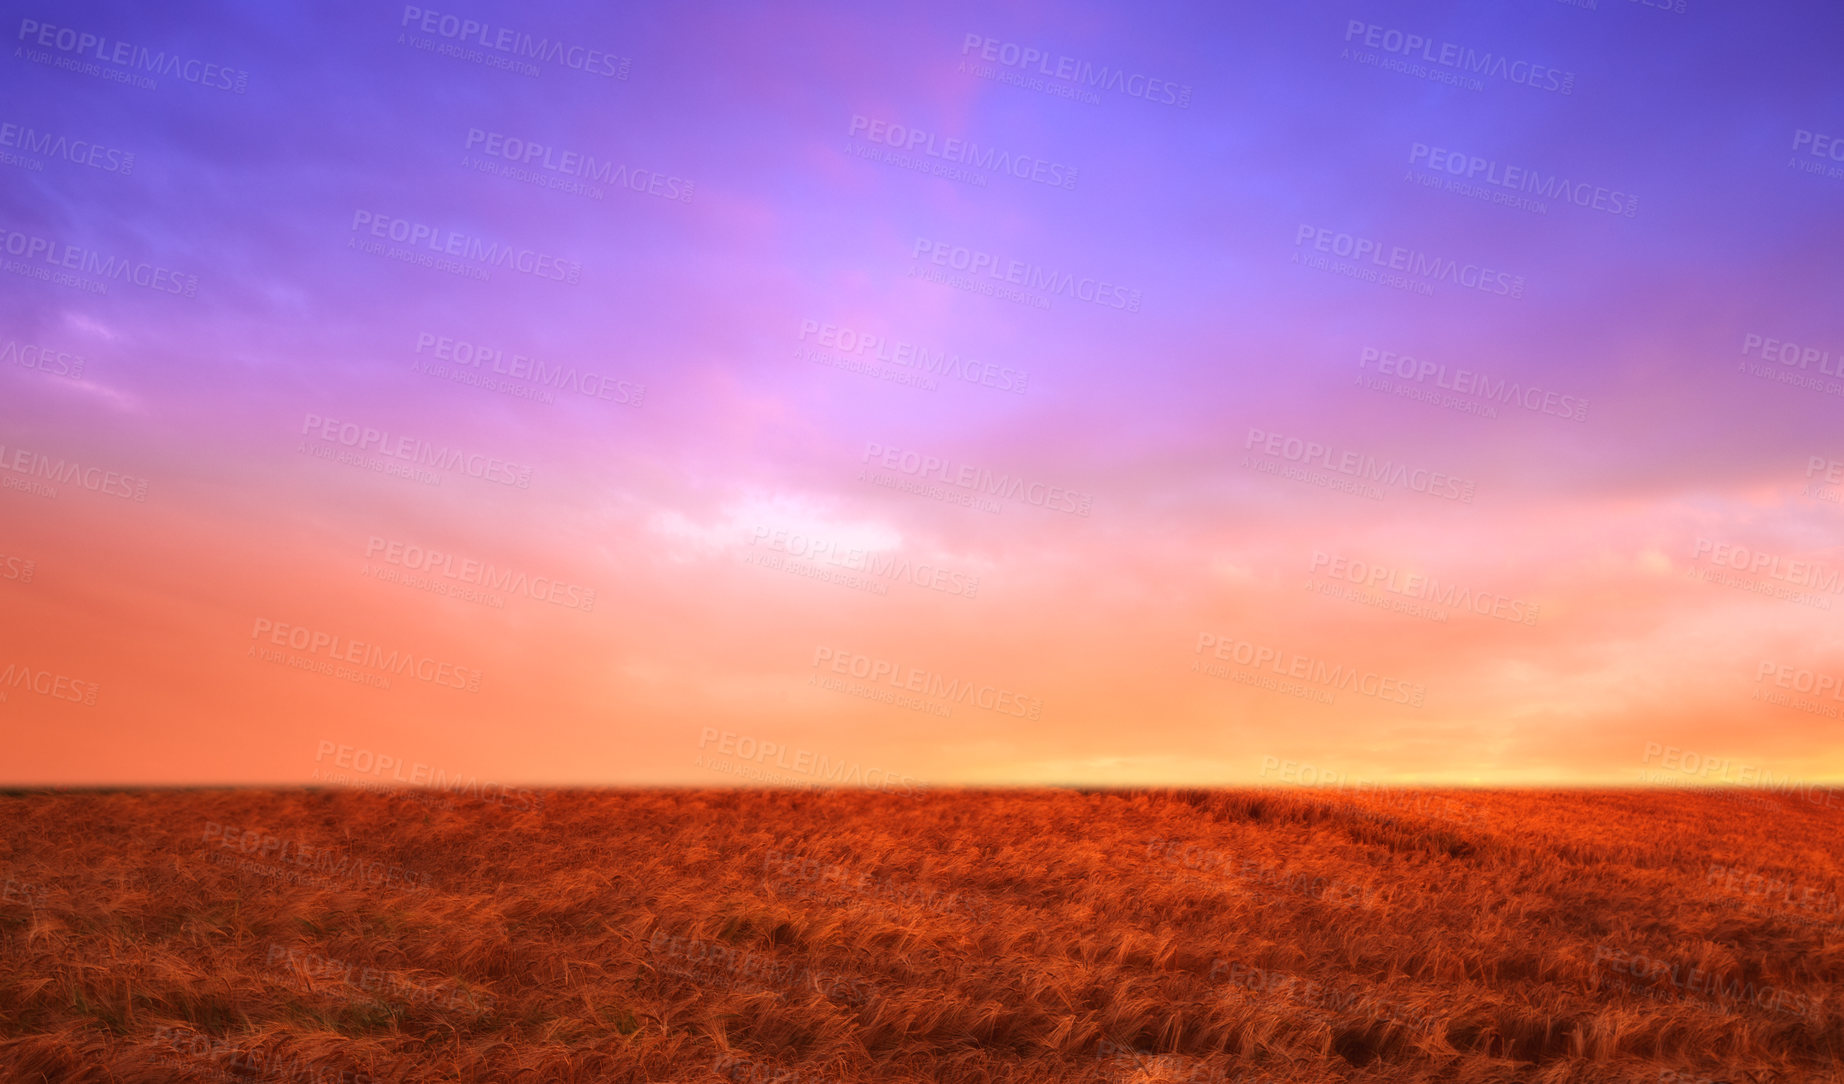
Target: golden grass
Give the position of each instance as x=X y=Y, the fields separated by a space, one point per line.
x=779 y=937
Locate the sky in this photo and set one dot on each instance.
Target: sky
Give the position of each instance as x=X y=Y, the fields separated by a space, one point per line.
x=1329 y=393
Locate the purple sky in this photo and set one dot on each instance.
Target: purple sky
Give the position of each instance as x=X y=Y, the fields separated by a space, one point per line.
x=1645 y=496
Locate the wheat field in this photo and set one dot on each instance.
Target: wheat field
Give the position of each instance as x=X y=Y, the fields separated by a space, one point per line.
x=800 y=937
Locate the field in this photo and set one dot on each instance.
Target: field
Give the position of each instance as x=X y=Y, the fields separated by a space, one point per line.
x=1033 y=935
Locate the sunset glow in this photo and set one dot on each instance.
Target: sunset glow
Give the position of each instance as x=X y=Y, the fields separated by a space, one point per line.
x=1323 y=394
